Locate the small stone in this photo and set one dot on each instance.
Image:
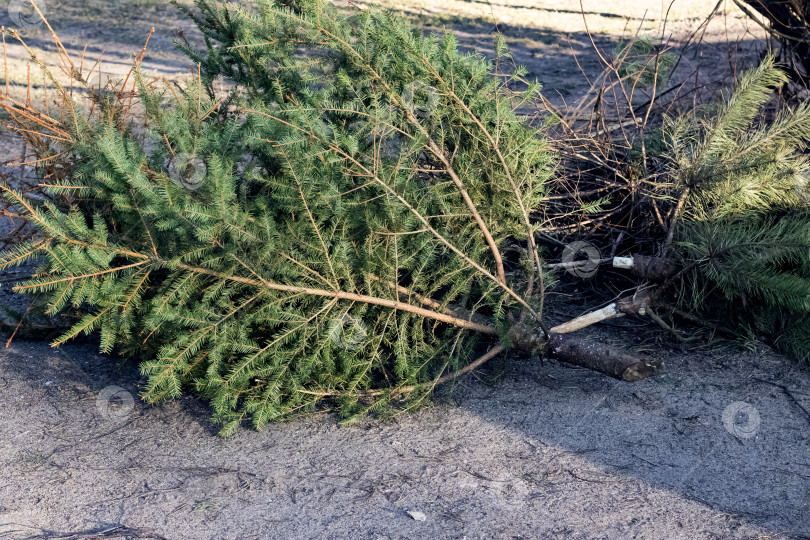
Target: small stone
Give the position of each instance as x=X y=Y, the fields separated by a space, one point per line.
x=417 y=516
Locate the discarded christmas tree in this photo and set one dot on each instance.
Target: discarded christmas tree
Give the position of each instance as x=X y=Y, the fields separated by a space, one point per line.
x=744 y=238
x=355 y=221
x=733 y=248
x=351 y=225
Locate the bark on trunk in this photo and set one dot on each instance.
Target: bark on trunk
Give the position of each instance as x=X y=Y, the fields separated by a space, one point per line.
x=790 y=24
x=654 y=268
x=566 y=348
x=585 y=353
x=600 y=357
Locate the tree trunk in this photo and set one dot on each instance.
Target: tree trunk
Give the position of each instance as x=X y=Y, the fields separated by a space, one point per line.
x=594 y=355
x=600 y=357
x=789 y=23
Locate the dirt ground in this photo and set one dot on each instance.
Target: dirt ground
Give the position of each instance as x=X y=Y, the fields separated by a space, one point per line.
x=717 y=446
x=547 y=452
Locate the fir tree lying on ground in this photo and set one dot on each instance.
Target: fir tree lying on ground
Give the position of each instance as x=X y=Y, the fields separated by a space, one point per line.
x=353 y=222
x=736 y=241
x=744 y=237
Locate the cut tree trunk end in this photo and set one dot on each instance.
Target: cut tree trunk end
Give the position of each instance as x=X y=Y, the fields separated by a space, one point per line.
x=616 y=363
x=599 y=357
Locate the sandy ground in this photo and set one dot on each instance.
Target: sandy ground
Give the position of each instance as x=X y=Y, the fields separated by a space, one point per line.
x=716 y=447
x=547 y=452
